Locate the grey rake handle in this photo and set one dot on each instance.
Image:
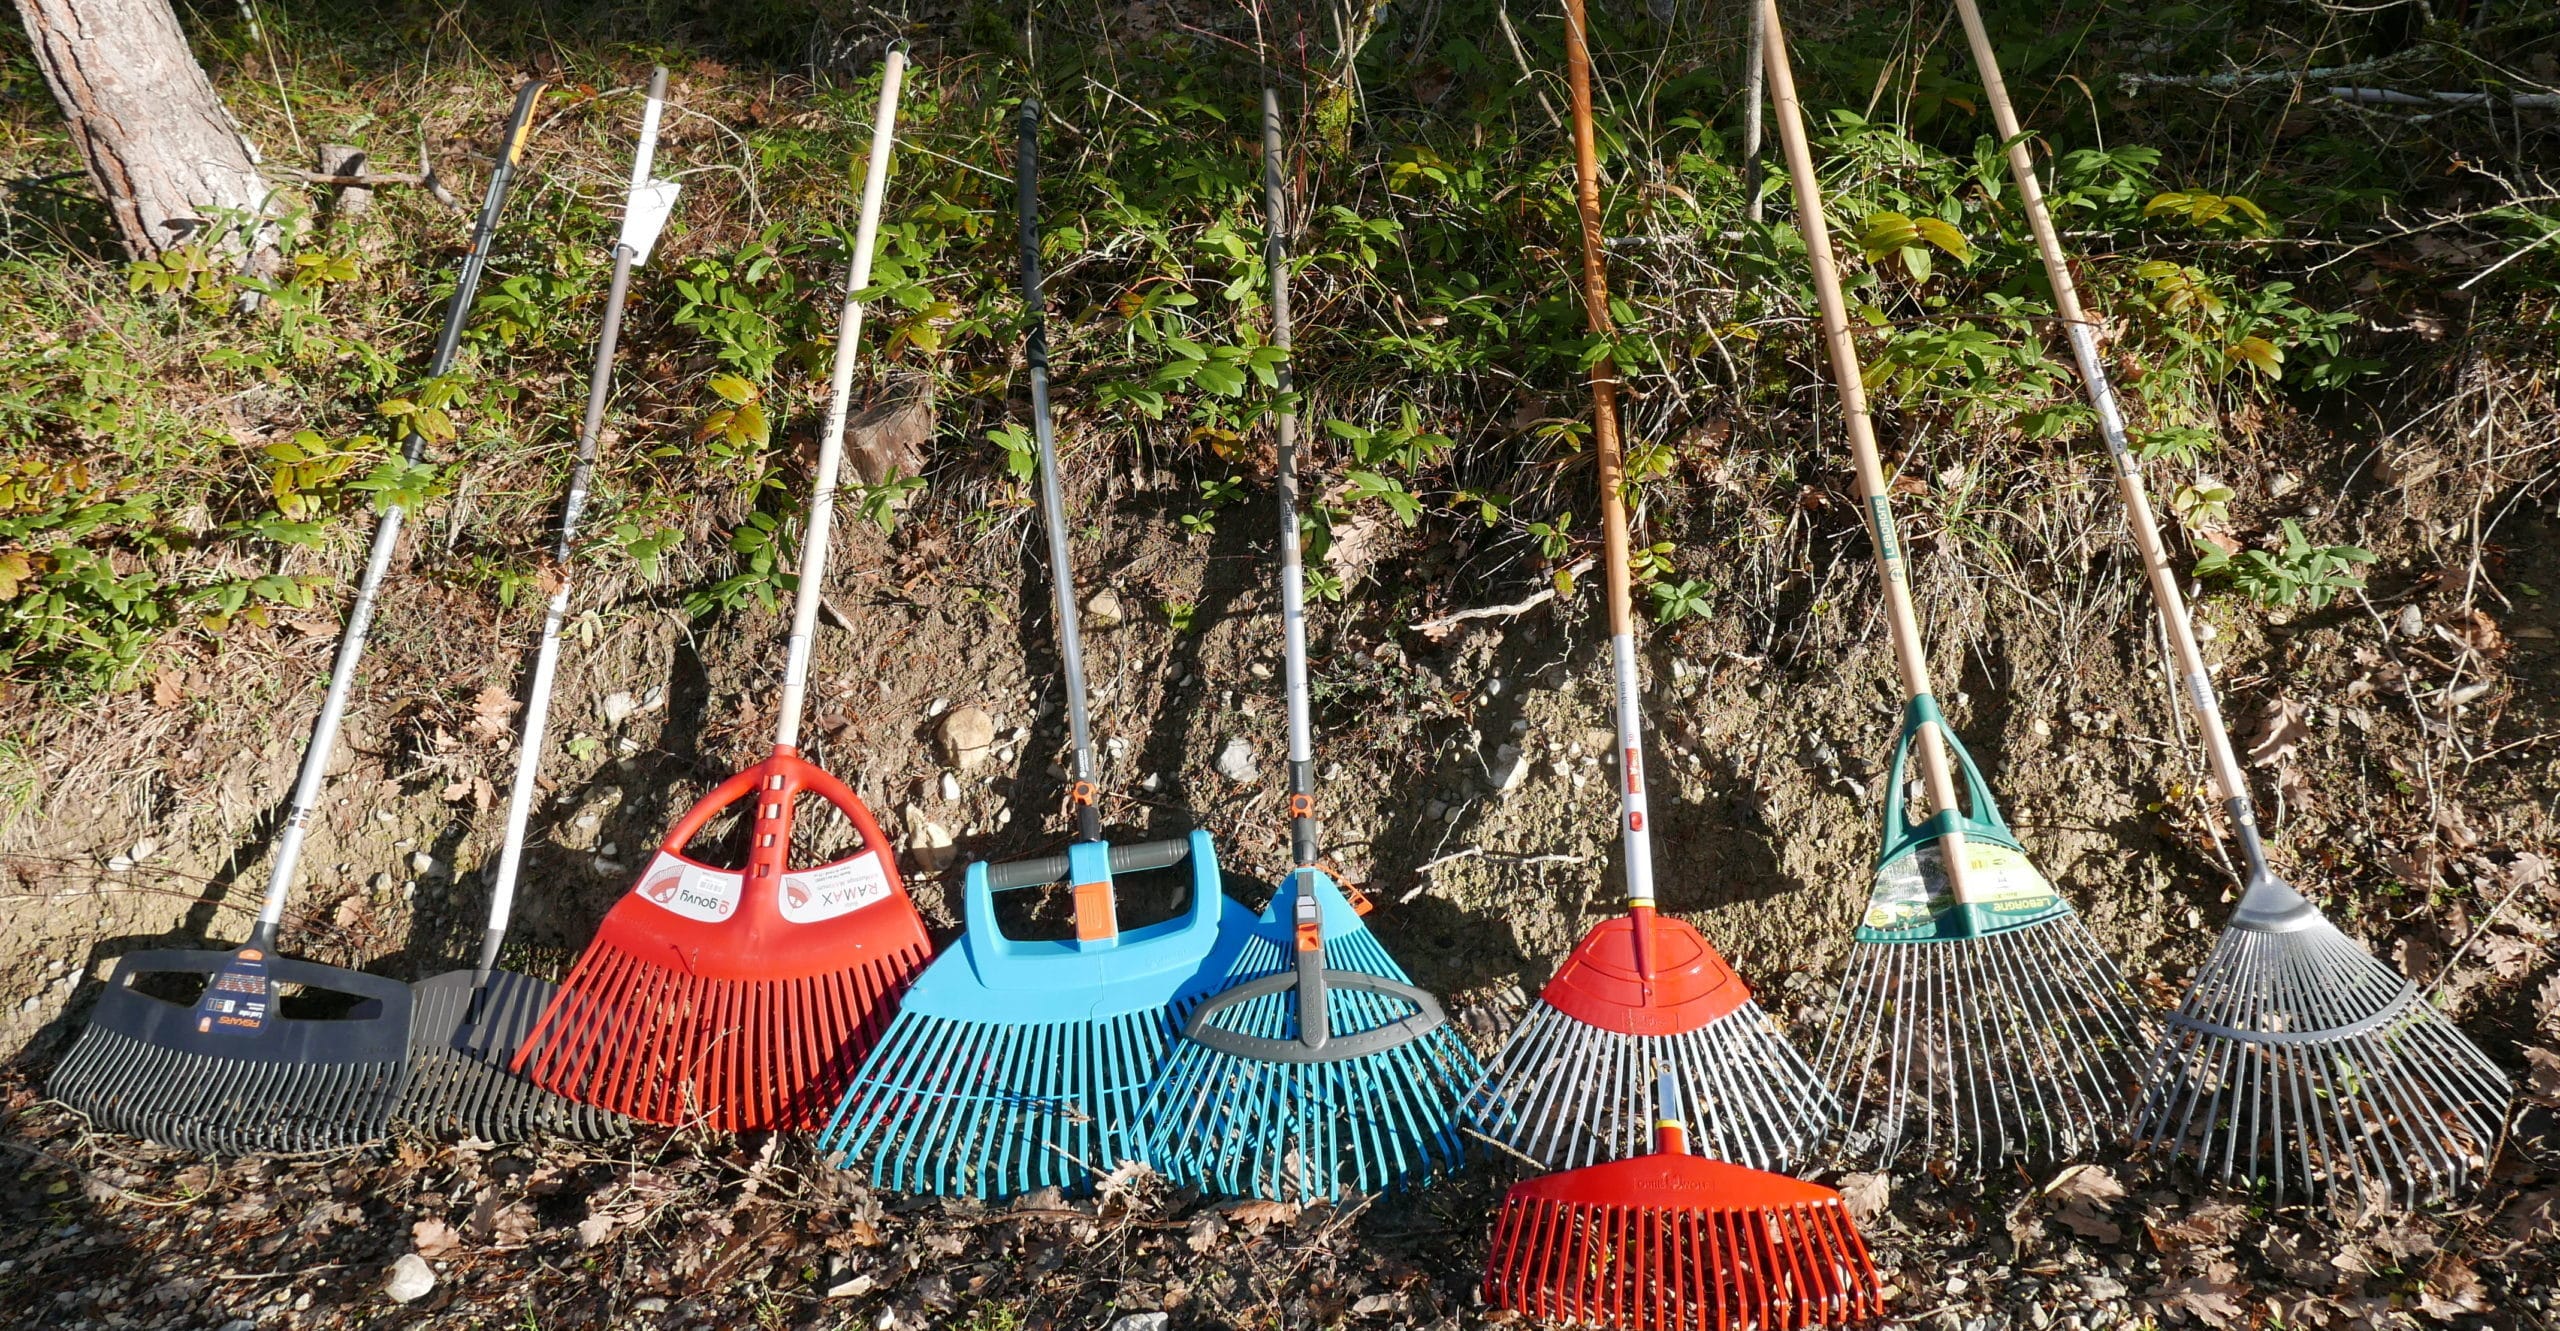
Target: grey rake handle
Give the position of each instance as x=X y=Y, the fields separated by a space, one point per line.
x=645 y=208
x=1053 y=504
x=1909 y=652
x=2083 y=332
x=386 y=538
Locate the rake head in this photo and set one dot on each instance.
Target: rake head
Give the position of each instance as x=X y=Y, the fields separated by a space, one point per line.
x=2298 y=1062
x=230 y=1073
x=461 y=1040
x=1974 y=1031
x=1674 y=1242
x=738 y=1000
x=1975 y=1050
x=1568 y=1086
x=1018 y=1064
x=1247 y=1108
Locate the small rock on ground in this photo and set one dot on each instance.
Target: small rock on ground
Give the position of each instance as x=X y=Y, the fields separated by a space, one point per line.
x=1235 y=762
x=411 y=1279
x=1143 y=1322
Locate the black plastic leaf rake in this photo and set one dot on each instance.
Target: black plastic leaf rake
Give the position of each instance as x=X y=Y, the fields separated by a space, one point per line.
x=1321 y=1067
x=469 y=1023
x=231 y=1070
x=2297 y=1060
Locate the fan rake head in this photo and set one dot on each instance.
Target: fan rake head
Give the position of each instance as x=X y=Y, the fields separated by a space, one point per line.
x=1021 y=1064
x=461 y=1040
x=1978 y=1030
x=231 y=1073
x=738 y=1000
x=2300 y=1063
x=1674 y=1242
x=1568 y=1087
x=1248 y=1107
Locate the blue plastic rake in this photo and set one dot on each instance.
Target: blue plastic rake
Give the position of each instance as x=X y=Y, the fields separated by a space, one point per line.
x=1019 y=1064
x=1320 y=1066
x=1383 y=1102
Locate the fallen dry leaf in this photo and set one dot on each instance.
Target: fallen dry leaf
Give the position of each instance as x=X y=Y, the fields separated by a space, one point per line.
x=2451 y=1289
x=2542 y=1077
x=2281 y=731
x=1866 y=1195
x=492 y=714
x=2086 y=1193
x=434 y=1239
x=2213 y=1296
x=1254 y=1215
x=2205 y=1223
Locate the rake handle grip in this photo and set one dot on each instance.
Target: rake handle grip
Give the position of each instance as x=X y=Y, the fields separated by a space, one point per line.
x=775 y=782
x=1043 y=870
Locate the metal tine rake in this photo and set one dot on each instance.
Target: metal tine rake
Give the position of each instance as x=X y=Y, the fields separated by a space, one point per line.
x=231 y=1071
x=469 y=1023
x=1676 y=1242
x=1644 y=990
x=2296 y=1061
x=1978 y=1019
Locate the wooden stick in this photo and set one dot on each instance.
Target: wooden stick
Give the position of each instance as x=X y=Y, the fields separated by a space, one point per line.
x=1909 y=652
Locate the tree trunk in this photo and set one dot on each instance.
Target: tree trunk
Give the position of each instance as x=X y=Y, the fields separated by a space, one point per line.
x=165 y=156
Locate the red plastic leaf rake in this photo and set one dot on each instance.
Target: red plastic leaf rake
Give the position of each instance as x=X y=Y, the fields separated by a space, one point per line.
x=744 y=999
x=1676 y=1242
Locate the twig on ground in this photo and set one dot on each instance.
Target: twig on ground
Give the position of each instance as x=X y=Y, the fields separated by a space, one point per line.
x=1435 y=628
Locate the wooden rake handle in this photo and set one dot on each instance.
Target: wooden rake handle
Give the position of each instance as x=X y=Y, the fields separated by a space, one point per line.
x=1909 y=652
x=2083 y=332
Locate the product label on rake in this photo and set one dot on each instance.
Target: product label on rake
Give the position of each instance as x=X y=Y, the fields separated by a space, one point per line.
x=691 y=890
x=237 y=998
x=830 y=890
x=1911 y=890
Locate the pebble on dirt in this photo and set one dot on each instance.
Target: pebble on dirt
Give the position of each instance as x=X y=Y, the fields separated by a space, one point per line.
x=410 y=1280
x=1235 y=762
x=1102 y=610
x=965 y=735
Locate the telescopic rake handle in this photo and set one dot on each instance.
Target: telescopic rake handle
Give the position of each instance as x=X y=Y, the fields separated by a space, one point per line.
x=1910 y=653
x=1634 y=834
x=1308 y=977
x=546 y=657
x=1293 y=578
x=386 y=538
x=1053 y=504
x=2083 y=332
x=822 y=499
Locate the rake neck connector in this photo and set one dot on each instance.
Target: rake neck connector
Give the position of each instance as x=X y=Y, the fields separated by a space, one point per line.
x=1670 y=1129
x=1313 y=981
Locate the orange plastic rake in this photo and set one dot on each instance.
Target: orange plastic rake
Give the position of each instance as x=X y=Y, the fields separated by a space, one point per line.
x=1677 y=1242
x=744 y=999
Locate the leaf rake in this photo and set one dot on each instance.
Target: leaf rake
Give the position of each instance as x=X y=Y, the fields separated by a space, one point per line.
x=1644 y=991
x=2296 y=1061
x=743 y=999
x=230 y=1071
x=1978 y=1019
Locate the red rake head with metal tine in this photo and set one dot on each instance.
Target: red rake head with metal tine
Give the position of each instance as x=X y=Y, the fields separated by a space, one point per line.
x=1675 y=1242
x=1643 y=974
x=738 y=999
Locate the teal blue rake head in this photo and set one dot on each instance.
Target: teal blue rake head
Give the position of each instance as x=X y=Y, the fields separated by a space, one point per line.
x=1020 y=1064
x=1320 y=1068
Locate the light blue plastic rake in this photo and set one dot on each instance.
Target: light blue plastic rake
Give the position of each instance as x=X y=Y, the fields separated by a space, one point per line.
x=1019 y=1064
x=1318 y=1066
x=1383 y=1103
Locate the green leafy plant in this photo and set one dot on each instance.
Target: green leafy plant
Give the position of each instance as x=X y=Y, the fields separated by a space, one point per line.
x=2296 y=572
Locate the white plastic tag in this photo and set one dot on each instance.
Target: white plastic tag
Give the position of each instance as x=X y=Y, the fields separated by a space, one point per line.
x=684 y=888
x=650 y=207
x=830 y=890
